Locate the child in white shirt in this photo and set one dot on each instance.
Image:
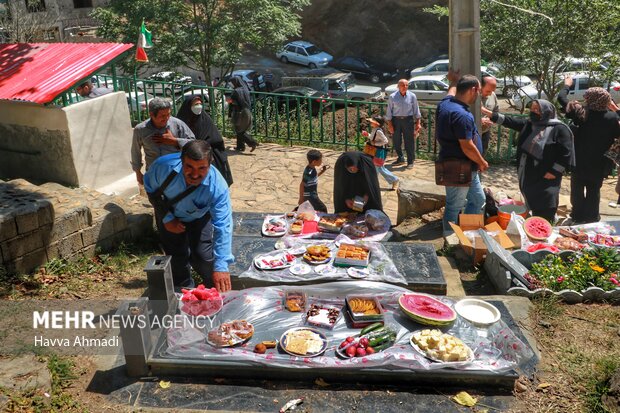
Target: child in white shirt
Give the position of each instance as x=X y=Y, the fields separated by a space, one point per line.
x=378 y=139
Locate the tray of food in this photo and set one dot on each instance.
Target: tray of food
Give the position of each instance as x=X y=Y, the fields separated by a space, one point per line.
x=317 y=254
x=371 y=340
x=296 y=227
x=364 y=308
x=200 y=301
x=323 y=315
x=303 y=341
x=358 y=230
x=295 y=301
x=441 y=347
x=230 y=333
x=274 y=226
x=350 y=255
x=274 y=261
x=331 y=223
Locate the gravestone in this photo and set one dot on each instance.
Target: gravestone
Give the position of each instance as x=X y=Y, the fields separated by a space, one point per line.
x=498 y=261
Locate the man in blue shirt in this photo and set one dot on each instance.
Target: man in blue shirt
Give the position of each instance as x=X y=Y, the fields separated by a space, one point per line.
x=193 y=214
x=402 y=113
x=459 y=138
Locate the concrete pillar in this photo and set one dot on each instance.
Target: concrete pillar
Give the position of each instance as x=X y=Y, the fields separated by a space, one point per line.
x=464 y=45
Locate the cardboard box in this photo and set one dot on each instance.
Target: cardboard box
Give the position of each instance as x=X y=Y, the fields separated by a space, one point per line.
x=478 y=250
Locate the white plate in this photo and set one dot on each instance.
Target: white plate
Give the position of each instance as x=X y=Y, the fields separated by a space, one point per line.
x=280 y=245
x=358 y=272
x=325 y=261
x=321 y=335
x=300 y=269
x=471 y=356
x=279 y=219
x=322 y=269
x=258 y=263
x=300 y=250
x=478 y=312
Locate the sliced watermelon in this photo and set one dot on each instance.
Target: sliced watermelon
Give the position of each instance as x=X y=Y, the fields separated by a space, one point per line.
x=426 y=309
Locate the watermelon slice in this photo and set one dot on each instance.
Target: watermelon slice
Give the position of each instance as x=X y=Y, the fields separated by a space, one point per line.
x=426 y=309
x=537 y=228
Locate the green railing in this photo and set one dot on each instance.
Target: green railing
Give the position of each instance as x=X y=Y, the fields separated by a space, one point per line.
x=329 y=123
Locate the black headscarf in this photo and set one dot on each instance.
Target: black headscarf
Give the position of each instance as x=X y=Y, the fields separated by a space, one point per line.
x=241 y=93
x=202 y=125
x=364 y=182
x=204 y=129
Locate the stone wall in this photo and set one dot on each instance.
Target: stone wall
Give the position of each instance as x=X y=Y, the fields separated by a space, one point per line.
x=39 y=223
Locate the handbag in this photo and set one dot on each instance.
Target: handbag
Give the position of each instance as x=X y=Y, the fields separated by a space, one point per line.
x=453 y=172
x=370 y=149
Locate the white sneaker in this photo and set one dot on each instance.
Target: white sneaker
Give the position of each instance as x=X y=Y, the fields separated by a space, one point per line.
x=613 y=204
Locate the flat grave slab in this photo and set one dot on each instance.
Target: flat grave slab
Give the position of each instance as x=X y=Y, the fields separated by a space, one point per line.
x=416 y=261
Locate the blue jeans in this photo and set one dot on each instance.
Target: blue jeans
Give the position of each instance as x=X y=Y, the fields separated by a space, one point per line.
x=471 y=198
x=389 y=176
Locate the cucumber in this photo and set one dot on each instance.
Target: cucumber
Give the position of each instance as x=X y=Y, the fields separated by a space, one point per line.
x=376 y=341
x=383 y=346
x=370 y=328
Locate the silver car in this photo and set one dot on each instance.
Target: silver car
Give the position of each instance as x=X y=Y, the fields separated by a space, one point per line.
x=425 y=87
x=304 y=53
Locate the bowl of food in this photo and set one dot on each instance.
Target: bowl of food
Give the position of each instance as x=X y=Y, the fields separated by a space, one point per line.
x=317 y=254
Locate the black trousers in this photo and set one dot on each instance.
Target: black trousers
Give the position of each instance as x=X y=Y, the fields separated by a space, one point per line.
x=193 y=247
x=242 y=124
x=585 y=205
x=404 y=130
x=547 y=213
x=316 y=202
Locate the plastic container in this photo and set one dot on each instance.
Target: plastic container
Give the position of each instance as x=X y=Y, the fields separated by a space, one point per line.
x=359 y=316
x=295 y=301
x=504 y=213
x=321 y=315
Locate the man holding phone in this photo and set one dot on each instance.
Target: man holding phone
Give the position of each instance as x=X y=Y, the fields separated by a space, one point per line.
x=160 y=135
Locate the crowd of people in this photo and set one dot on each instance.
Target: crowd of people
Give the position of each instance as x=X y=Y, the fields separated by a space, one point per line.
x=192 y=201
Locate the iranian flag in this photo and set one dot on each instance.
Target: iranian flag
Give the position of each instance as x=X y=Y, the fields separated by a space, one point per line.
x=144 y=42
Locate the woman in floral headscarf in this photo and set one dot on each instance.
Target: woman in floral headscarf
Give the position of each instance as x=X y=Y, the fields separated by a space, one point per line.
x=595 y=127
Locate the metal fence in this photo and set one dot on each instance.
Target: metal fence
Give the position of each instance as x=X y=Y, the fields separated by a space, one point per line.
x=296 y=120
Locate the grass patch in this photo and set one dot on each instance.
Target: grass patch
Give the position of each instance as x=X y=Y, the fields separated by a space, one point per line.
x=63 y=373
x=82 y=276
x=598 y=385
x=547 y=307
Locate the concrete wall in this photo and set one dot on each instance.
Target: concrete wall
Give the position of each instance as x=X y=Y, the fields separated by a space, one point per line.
x=84 y=144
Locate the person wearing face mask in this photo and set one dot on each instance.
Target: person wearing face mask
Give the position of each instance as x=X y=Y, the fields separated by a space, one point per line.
x=595 y=127
x=355 y=175
x=192 y=112
x=545 y=151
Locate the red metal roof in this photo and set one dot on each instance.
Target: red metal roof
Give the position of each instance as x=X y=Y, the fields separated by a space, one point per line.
x=38 y=72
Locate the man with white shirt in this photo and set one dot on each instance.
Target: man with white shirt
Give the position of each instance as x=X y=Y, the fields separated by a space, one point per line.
x=403 y=119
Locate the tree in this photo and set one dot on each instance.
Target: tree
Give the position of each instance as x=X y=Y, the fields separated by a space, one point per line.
x=202 y=34
x=25 y=22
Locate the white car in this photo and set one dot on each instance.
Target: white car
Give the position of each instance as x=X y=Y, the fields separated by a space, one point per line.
x=248 y=77
x=139 y=99
x=581 y=83
x=164 y=83
x=506 y=85
x=426 y=87
x=304 y=53
x=438 y=67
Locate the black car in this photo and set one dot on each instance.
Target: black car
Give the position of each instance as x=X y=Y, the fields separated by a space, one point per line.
x=299 y=95
x=363 y=68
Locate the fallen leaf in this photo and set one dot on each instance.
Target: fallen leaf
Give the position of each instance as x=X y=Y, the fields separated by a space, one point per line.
x=543 y=385
x=164 y=384
x=520 y=387
x=464 y=399
x=320 y=382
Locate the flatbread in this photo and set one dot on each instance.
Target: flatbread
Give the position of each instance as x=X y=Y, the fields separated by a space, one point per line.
x=303 y=342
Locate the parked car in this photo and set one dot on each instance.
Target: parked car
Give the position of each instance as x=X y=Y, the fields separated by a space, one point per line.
x=248 y=76
x=581 y=83
x=304 y=53
x=338 y=85
x=506 y=85
x=426 y=87
x=174 y=83
x=305 y=94
x=363 y=68
x=140 y=101
x=438 y=67
x=574 y=66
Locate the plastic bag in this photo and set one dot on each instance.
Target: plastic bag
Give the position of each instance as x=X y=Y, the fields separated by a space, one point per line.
x=376 y=220
x=515 y=231
x=306 y=212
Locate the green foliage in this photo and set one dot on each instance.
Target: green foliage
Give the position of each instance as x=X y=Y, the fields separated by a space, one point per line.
x=594 y=267
x=437 y=10
x=526 y=43
x=201 y=34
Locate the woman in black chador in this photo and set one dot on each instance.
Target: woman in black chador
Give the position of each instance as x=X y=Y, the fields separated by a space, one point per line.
x=356 y=175
x=193 y=114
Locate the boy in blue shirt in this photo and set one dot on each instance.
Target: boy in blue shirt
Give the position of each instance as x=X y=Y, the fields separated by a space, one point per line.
x=308 y=188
